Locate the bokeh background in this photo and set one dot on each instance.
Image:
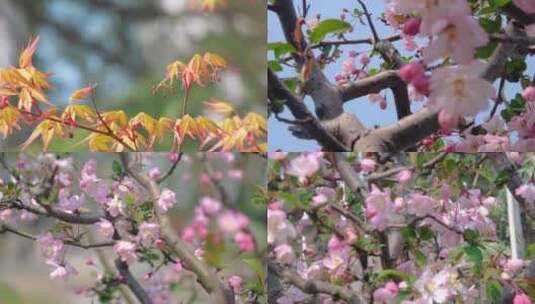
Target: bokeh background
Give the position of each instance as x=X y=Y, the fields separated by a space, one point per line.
x=24 y=277
x=125 y=45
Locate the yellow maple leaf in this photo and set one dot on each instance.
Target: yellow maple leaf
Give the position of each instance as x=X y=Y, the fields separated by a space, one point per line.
x=82 y=93
x=9 y=117
x=71 y=112
x=186 y=126
x=25 y=59
x=46 y=130
x=220 y=107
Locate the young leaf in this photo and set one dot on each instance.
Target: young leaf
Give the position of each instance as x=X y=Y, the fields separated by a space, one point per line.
x=329 y=26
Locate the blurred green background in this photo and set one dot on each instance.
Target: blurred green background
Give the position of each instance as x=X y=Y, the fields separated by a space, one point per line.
x=24 y=277
x=125 y=45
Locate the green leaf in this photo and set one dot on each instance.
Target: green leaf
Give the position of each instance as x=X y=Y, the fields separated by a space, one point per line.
x=530 y=252
x=394 y=274
x=117 y=170
x=491 y=26
x=494 y=291
x=498 y=3
x=275 y=66
x=280 y=48
x=402 y=296
x=475 y=255
x=258 y=268
x=486 y=51
x=329 y=26
x=421 y=259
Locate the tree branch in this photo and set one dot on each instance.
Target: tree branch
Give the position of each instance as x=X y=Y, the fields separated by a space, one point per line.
x=206 y=277
x=314 y=286
x=132 y=283
x=278 y=91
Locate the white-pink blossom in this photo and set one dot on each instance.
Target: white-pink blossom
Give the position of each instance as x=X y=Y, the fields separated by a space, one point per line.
x=210 y=206
x=235 y=283
x=126 y=251
x=105 y=227
x=148 y=233
x=166 y=200
x=460 y=91
x=284 y=254
x=304 y=166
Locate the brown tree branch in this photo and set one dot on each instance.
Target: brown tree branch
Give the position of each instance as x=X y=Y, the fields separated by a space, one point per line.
x=314 y=286
x=278 y=91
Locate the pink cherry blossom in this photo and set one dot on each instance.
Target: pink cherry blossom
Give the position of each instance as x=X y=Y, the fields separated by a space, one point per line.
x=379 y=208
x=527 y=192
x=522 y=298
x=457 y=37
x=235 y=283
x=115 y=206
x=411 y=71
x=514 y=265
x=126 y=251
x=284 y=254
x=244 y=241
x=404 y=176
x=62 y=271
x=368 y=165
x=155 y=173
x=52 y=249
x=280 y=230
x=304 y=166
x=459 y=91
x=148 y=233
x=421 y=205
x=106 y=228
x=232 y=221
x=166 y=200
x=210 y=206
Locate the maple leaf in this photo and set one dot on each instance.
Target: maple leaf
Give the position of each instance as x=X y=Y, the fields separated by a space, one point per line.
x=82 y=93
x=46 y=130
x=25 y=59
x=186 y=126
x=219 y=107
x=9 y=117
x=71 y=112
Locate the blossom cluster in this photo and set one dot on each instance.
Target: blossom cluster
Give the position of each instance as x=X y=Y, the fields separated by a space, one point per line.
x=431 y=236
x=127 y=214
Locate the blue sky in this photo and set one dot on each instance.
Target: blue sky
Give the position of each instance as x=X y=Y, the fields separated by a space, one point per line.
x=370 y=114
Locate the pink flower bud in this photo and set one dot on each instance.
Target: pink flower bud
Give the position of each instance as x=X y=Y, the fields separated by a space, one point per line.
x=410 y=71
x=448 y=120
x=514 y=265
x=521 y=298
x=421 y=84
x=235 y=283
x=404 y=176
x=368 y=165
x=412 y=26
